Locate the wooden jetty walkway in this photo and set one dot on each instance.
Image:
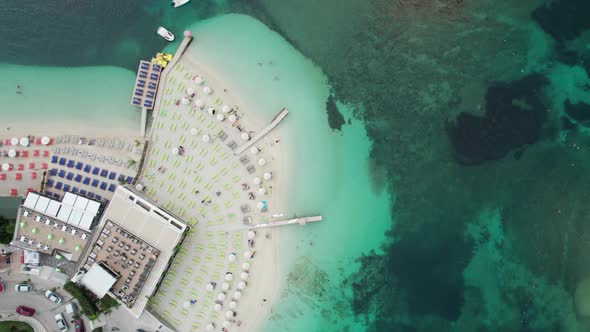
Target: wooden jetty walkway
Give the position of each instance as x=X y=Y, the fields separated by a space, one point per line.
x=275 y=122
x=296 y=221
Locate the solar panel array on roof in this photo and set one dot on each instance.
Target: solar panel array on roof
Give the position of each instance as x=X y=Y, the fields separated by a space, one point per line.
x=144 y=95
x=75 y=210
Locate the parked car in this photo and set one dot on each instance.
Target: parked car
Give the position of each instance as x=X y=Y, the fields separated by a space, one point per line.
x=53 y=297
x=2 y=287
x=23 y=288
x=79 y=325
x=61 y=322
x=25 y=311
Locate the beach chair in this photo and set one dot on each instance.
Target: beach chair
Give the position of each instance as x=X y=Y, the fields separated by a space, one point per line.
x=67 y=187
x=45 y=153
x=95 y=183
x=70 y=176
x=49 y=183
x=54 y=159
x=95 y=171
x=98 y=197
x=25 y=154
x=87 y=168
x=62 y=173
x=79 y=165
x=44 y=165
x=129 y=179
x=31 y=165
x=75 y=190
x=90 y=194
x=112 y=188
x=104 y=173
x=103 y=186
x=83 y=192
x=21 y=167
x=53 y=172
x=112 y=175
x=36 y=153
x=13 y=192
x=70 y=163
x=18 y=176
x=121 y=178
x=58 y=185
x=34 y=175
x=86 y=181
x=78 y=178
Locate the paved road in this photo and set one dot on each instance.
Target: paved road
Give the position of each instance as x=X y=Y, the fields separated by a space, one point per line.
x=12 y=316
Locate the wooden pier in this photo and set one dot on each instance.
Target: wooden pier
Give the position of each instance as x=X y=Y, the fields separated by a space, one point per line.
x=296 y=221
x=275 y=122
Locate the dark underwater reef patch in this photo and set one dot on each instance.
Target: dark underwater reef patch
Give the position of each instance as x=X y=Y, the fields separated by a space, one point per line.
x=514 y=116
x=578 y=111
x=335 y=118
x=564 y=20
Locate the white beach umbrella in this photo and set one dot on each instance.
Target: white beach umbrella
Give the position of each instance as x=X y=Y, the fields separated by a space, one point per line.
x=232 y=118
x=225 y=286
x=220 y=117
x=221 y=296
x=205 y=138
x=226 y=324
x=245 y=266
x=210 y=327
x=12 y=153
x=139 y=186
x=245 y=136
x=267 y=175
x=251 y=234
x=209 y=287
x=199 y=80
x=14 y=141
x=24 y=141
x=237 y=295
x=254 y=150
x=233 y=304
x=261 y=190
x=211 y=110
x=190 y=91
x=5 y=166
x=207 y=90
x=247 y=254
x=229 y=276
x=244 y=275
x=260 y=205
x=242 y=284
x=184 y=101
x=186 y=304
x=199 y=103
x=231 y=257
x=257 y=180
x=226 y=109
x=45 y=140
x=217 y=307
x=229 y=314
x=261 y=162
x=194 y=131
x=175 y=150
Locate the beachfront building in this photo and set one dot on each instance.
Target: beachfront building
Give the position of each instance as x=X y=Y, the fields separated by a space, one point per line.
x=131 y=251
x=146 y=84
x=55 y=227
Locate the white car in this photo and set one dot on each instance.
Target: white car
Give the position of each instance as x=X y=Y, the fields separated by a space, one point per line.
x=23 y=288
x=53 y=297
x=61 y=322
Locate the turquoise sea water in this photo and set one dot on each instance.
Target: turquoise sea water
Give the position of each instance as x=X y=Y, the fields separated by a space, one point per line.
x=483 y=232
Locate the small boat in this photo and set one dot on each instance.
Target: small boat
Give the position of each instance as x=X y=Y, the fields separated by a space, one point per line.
x=164 y=56
x=165 y=34
x=277 y=215
x=178 y=3
x=160 y=62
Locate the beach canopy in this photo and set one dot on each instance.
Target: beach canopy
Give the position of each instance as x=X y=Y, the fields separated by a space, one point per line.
x=225 y=286
x=261 y=162
x=267 y=175
x=211 y=110
x=260 y=205
x=251 y=234
x=254 y=150
x=245 y=136
x=237 y=295
x=5 y=166
x=231 y=257
x=217 y=307
x=45 y=140
x=226 y=109
x=225 y=323
x=77 y=248
x=190 y=91
x=233 y=304
x=221 y=296
x=24 y=141
x=12 y=153
x=207 y=90
x=14 y=141
x=139 y=186
x=244 y=275
x=245 y=266
x=241 y=285
x=188 y=33
x=61 y=240
x=220 y=117
x=261 y=190
x=184 y=101
x=34 y=230
x=199 y=80
x=205 y=138
x=199 y=103
x=194 y=131
x=247 y=254
x=256 y=180
x=229 y=314
x=49 y=236
x=175 y=150
x=229 y=276
x=210 y=327
x=232 y=118
x=209 y=287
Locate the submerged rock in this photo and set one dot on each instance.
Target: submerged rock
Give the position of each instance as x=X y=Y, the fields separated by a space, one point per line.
x=564 y=20
x=514 y=115
x=578 y=111
x=335 y=118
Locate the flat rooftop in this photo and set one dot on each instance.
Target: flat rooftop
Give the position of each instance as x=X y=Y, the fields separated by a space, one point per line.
x=46 y=225
x=135 y=242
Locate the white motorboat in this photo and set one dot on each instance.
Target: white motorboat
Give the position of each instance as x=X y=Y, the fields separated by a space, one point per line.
x=165 y=34
x=178 y=3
